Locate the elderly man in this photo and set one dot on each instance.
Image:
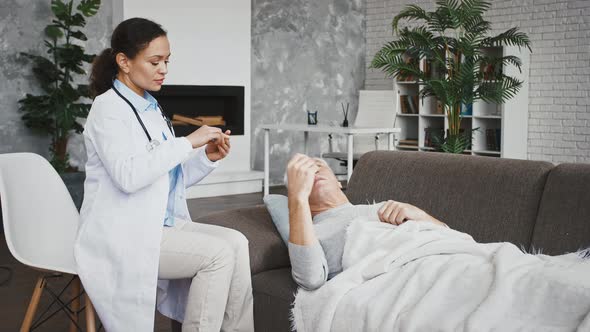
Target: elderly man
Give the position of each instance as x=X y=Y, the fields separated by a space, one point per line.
x=319 y=214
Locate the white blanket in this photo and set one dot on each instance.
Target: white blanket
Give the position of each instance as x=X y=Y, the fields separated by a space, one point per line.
x=423 y=277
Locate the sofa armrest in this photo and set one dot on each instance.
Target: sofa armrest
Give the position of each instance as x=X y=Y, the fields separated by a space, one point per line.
x=267 y=250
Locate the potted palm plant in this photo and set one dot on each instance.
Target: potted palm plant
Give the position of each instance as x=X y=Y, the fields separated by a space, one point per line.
x=55 y=111
x=452 y=41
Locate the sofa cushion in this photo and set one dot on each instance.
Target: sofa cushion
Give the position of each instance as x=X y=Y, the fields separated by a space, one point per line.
x=278 y=208
x=276 y=283
x=563 y=222
x=274 y=293
x=267 y=250
x=492 y=199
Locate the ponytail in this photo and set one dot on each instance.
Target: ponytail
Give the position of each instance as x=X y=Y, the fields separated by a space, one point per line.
x=104 y=70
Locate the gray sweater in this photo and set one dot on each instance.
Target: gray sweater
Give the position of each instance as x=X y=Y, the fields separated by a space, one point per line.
x=312 y=266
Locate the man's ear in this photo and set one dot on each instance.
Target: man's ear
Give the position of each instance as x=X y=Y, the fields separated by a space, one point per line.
x=123 y=62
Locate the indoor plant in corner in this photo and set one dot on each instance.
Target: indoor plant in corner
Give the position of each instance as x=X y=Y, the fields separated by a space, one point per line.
x=56 y=110
x=452 y=40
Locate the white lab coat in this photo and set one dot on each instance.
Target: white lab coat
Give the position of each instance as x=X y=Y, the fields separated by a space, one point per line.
x=126 y=192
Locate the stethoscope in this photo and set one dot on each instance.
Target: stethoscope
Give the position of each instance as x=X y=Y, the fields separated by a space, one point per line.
x=152 y=143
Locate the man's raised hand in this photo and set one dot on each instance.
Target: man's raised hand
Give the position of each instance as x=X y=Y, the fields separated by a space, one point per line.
x=301 y=171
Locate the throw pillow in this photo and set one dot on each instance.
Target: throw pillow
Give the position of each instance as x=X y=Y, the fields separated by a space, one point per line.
x=278 y=207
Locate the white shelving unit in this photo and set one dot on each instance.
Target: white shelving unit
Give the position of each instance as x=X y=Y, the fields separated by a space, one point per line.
x=509 y=121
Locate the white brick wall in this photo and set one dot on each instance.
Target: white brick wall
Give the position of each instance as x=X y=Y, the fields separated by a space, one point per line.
x=559 y=82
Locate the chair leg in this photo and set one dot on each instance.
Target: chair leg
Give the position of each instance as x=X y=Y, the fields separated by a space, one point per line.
x=90 y=318
x=32 y=309
x=75 y=303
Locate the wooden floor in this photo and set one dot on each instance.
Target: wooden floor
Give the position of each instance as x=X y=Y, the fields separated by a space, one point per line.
x=15 y=295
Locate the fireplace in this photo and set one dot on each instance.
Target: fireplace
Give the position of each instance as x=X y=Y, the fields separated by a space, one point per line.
x=190 y=106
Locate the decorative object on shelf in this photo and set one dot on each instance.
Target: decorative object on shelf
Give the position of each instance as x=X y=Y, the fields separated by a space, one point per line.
x=404 y=104
x=312 y=117
x=431 y=135
x=440 y=108
x=453 y=144
x=410 y=61
x=466 y=110
x=408 y=142
x=490 y=71
x=493 y=136
x=409 y=104
x=345 y=112
x=55 y=111
x=454 y=38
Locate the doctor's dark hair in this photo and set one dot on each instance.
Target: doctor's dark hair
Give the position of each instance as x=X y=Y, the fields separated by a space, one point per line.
x=129 y=37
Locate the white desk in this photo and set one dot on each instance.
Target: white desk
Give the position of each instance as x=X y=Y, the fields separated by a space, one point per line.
x=306 y=129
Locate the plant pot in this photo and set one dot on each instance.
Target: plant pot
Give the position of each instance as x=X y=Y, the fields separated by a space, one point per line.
x=74 y=181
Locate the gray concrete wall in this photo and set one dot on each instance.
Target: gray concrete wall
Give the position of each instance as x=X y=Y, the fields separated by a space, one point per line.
x=21 y=30
x=559 y=82
x=305 y=55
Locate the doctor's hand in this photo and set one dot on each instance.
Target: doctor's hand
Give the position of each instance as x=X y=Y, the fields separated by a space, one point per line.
x=219 y=148
x=204 y=135
x=301 y=171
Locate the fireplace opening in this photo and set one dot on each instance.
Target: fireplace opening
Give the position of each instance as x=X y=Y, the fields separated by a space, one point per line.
x=191 y=106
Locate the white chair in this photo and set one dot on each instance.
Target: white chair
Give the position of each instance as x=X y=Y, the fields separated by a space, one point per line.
x=40 y=225
x=376 y=109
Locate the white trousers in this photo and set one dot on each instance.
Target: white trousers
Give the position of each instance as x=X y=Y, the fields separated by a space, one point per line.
x=217 y=260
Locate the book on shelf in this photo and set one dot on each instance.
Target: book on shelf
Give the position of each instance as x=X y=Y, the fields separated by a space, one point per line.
x=408 y=142
x=404 y=104
x=409 y=104
x=405 y=76
x=430 y=133
x=414 y=102
x=493 y=137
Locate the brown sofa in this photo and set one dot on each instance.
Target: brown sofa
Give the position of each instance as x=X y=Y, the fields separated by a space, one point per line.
x=532 y=204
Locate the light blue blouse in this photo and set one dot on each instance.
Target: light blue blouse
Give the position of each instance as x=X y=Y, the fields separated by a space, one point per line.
x=148 y=103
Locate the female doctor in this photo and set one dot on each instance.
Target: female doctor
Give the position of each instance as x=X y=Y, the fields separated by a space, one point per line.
x=136 y=239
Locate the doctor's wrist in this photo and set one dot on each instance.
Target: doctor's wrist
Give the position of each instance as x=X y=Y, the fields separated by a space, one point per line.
x=188 y=143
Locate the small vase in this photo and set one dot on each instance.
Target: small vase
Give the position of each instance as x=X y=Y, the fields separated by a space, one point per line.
x=312 y=118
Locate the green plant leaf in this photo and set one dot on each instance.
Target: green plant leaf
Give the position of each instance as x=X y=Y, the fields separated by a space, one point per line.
x=78 y=35
x=454 y=143
x=88 y=58
x=37 y=113
x=77 y=20
x=84 y=90
x=55 y=112
x=53 y=32
x=89 y=7
x=59 y=24
x=70 y=57
x=410 y=12
x=509 y=37
x=59 y=8
x=45 y=71
x=498 y=91
x=62 y=11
